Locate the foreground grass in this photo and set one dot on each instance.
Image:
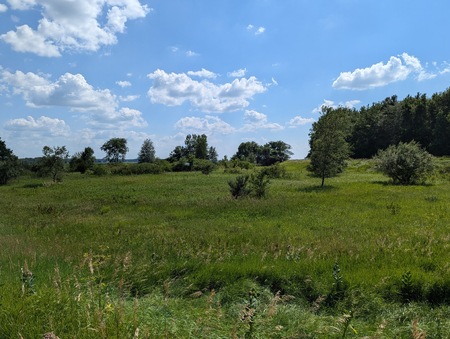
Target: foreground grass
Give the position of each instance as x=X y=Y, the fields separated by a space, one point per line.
x=173 y=255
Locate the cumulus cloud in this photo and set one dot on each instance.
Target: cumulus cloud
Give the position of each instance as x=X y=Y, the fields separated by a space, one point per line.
x=123 y=84
x=81 y=25
x=3 y=8
x=43 y=125
x=207 y=125
x=204 y=73
x=300 y=121
x=398 y=68
x=238 y=73
x=73 y=92
x=174 y=89
x=256 y=120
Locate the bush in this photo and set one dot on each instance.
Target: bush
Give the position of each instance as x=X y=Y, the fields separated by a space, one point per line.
x=100 y=169
x=405 y=164
x=239 y=187
x=259 y=184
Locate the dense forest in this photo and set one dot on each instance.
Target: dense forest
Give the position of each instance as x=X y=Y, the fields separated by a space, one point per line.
x=424 y=120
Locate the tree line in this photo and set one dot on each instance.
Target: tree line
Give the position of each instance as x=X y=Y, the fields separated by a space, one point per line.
x=194 y=155
x=391 y=121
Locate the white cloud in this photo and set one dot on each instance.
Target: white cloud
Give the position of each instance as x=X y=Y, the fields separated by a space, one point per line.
x=44 y=126
x=204 y=73
x=300 y=121
x=3 y=8
x=174 y=89
x=260 y=30
x=72 y=25
x=256 y=120
x=238 y=73
x=256 y=31
x=207 y=125
x=73 y=92
x=123 y=83
x=398 y=68
x=329 y=103
x=129 y=98
x=191 y=54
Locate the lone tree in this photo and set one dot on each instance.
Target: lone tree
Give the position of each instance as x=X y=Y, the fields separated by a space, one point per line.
x=53 y=161
x=9 y=164
x=329 y=148
x=147 y=152
x=116 y=149
x=81 y=162
x=405 y=163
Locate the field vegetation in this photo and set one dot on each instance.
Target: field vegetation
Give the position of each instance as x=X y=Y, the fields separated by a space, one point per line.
x=175 y=255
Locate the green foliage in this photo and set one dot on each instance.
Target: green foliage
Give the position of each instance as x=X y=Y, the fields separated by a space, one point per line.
x=239 y=186
x=53 y=161
x=82 y=162
x=329 y=148
x=405 y=164
x=259 y=183
x=9 y=164
x=116 y=149
x=269 y=154
x=147 y=152
x=425 y=120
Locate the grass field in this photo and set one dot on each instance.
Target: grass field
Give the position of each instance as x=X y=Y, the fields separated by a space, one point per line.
x=174 y=256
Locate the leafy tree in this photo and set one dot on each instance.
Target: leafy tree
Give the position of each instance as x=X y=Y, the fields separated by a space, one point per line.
x=147 y=152
x=269 y=154
x=53 y=161
x=247 y=151
x=212 y=155
x=405 y=163
x=116 y=149
x=273 y=152
x=329 y=148
x=195 y=147
x=81 y=162
x=9 y=164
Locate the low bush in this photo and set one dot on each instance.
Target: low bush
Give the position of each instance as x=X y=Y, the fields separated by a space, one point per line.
x=405 y=164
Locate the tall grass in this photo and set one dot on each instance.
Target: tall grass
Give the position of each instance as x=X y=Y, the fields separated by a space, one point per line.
x=174 y=255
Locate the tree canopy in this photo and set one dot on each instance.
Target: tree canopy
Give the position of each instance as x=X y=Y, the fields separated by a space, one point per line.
x=266 y=155
x=9 y=164
x=53 y=161
x=329 y=148
x=116 y=149
x=147 y=152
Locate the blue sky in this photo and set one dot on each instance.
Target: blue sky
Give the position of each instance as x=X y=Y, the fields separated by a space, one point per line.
x=79 y=72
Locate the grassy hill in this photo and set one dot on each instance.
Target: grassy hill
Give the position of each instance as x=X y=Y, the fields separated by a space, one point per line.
x=173 y=255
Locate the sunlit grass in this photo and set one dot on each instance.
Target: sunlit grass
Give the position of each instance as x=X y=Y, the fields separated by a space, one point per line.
x=182 y=234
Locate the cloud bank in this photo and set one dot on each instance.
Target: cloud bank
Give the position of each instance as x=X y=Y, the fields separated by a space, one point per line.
x=82 y=25
x=398 y=68
x=174 y=89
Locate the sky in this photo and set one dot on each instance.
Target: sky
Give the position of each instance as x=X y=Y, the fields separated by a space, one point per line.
x=76 y=73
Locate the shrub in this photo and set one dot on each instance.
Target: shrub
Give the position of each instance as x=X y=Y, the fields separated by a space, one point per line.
x=100 y=169
x=204 y=166
x=405 y=164
x=259 y=184
x=275 y=171
x=239 y=187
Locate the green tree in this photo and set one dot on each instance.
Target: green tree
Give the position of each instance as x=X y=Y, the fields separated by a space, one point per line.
x=81 y=162
x=53 y=161
x=329 y=148
x=273 y=152
x=247 y=151
x=213 y=155
x=405 y=163
x=116 y=149
x=9 y=164
x=147 y=152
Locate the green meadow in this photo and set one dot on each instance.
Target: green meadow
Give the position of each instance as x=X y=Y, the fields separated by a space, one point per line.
x=173 y=255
